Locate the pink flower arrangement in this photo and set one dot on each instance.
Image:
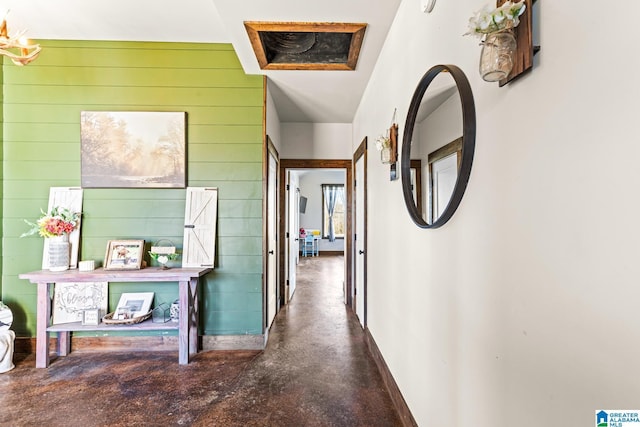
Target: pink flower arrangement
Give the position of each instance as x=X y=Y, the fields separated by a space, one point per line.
x=57 y=222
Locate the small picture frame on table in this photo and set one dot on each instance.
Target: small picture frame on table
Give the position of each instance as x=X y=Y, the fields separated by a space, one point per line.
x=133 y=305
x=91 y=316
x=124 y=255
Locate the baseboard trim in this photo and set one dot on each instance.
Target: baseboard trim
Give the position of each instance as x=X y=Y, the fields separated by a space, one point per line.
x=140 y=343
x=392 y=387
x=332 y=253
x=24 y=345
x=233 y=342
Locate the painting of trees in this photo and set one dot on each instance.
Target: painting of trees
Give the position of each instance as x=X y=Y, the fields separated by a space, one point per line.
x=133 y=149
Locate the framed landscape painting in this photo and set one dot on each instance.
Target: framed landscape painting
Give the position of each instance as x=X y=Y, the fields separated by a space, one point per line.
x=133 y=149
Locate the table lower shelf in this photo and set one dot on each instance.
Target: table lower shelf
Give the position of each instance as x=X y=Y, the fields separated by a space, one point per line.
x=147 y=325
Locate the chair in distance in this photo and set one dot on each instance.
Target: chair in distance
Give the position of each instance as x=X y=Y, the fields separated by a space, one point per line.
x=309 y=247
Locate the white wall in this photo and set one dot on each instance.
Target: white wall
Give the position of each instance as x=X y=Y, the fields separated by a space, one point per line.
x=311 y=187
x=523 y=309
x=316 y=141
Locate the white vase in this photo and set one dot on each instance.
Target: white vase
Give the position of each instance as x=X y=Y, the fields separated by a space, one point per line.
x=59 y=253
x=385 y=155
x=174 y=311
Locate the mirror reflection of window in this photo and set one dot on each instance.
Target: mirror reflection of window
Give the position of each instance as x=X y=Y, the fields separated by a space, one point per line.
x=444 y=165
x=444 y=173
x=438 y=123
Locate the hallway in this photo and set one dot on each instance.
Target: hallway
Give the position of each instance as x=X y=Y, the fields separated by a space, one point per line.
x=315 y=371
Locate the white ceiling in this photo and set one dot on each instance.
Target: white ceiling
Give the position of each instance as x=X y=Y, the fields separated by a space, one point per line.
x=300 y=96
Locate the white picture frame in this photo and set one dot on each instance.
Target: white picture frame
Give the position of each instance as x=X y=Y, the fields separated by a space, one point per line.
x=138 y=303
x=91 y=316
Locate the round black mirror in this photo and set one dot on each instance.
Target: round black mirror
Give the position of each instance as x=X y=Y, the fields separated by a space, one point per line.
x=438 y=144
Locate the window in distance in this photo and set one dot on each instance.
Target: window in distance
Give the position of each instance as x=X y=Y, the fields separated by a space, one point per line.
x=338 y=213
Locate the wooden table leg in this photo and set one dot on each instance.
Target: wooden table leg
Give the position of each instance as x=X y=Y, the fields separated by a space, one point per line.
x=193 y=316
x=42 y=322
x=183 y=323
x=64 y=343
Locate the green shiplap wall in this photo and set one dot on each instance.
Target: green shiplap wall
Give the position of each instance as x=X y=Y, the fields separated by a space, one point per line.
x=41 y=149
x=1 y=174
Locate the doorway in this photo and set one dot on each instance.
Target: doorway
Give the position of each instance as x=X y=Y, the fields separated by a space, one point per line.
x=289 y=238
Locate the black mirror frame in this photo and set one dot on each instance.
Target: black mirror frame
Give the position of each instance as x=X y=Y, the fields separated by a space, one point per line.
x=468 y=143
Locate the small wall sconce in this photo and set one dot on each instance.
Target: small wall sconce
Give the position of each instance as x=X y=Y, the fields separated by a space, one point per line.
x=387 y=144
x=383 y=144
x=507 y=47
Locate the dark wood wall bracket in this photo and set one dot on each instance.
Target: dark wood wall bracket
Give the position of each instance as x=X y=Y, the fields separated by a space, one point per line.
x=525 y=48
x=393 y=138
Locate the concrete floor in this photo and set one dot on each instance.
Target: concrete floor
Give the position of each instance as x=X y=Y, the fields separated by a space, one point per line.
x=315 y=371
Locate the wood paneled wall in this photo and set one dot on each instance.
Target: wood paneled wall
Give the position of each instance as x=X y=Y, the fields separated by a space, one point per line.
x=41 y=148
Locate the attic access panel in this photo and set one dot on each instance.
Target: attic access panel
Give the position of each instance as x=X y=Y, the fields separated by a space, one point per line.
x=306 y=45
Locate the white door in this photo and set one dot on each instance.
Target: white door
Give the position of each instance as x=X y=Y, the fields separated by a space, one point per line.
x=445 y=173
x=293 y=198
x=272 y=231
x=200 y=212
x=360 y=243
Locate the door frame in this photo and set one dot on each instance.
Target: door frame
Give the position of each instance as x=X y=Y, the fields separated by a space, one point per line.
x=347 y=165
x=361 y=151
x=270 y=149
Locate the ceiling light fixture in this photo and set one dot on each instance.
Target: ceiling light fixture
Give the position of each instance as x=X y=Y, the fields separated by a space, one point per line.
x=17 y=48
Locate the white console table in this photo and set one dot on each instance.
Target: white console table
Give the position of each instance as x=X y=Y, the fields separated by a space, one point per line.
x=187 y=279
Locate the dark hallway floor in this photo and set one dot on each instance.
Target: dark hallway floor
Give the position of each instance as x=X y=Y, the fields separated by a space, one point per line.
x=315 y=371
